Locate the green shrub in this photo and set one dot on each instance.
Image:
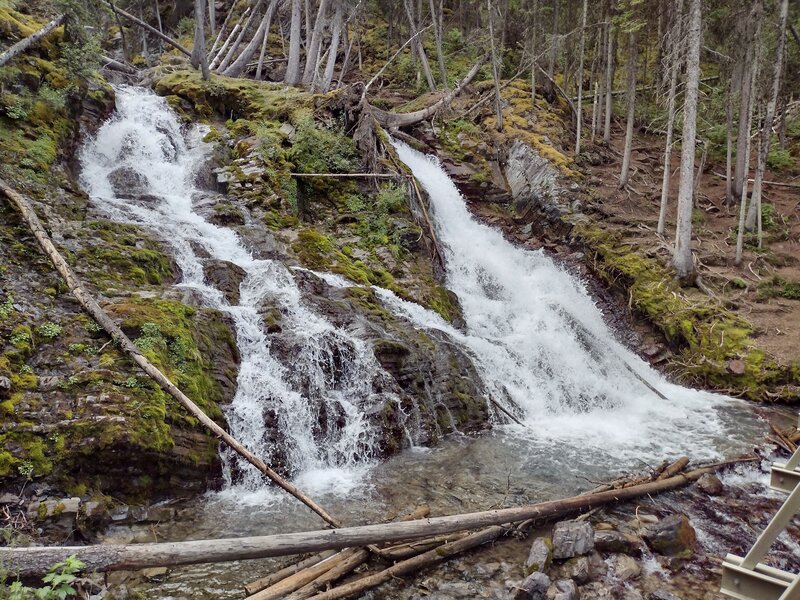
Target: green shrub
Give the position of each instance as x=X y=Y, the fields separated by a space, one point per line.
x=49 y=330
x=778 y=159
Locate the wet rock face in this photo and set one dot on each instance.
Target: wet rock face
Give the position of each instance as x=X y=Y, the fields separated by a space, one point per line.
x=532 y=180
x=671 y=536
x=226 y=277
x=128 y=183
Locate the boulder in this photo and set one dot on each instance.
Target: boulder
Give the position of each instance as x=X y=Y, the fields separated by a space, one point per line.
x=563 y=589
x=710 y=484
x=128 y=183
x=624 y=568
x=572 y=538
x=226 y=277
x=671 y=536
x=662 y=595
x=5 y=387
x=533 y=587
x=93 y=518
x=578 y=569
x=540 y=555
x=607 y=540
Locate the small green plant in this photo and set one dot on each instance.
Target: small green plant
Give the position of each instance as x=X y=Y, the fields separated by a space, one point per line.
x=25 y=469
x=20 y=338
x=55 y=98
x=68 y=383
x=778 y=159
x=17 y=112
x=93 y=327
x=49 y=330
x=7 y=307
x=151 y=338
x=59 y=583
x=131 y=382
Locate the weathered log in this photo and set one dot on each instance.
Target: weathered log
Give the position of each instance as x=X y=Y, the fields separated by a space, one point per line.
x=29 y=41
x=273 y=578
x=115 y=557
x=404 y=551
x=351 y=175
x=115 y=65
x=675 y=468
x=301 y=578
x=126 y=345
x=351 y=563
x=390 y=120
x=152 y=30
x=411 y=565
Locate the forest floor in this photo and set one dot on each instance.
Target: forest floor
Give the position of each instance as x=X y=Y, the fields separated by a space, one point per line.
x=764 y=289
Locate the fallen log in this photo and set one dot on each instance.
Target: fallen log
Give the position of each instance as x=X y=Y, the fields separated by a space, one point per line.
x=152 y=30
x=301 y=578
x=352 y=562
x=115 y=65
x=29 y=41
x=411 y=565
x=273 y=578
x=390 y=120
x=403 y=551
x=33 y=561
x=673 y=469
x=126 y=345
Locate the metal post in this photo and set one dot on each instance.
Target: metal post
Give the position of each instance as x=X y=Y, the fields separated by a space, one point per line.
x=779 y=522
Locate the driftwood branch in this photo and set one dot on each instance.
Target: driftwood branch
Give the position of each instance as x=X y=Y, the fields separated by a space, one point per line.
x=29 y=41
x=152 y=30
x=37 y=560
x=127 y=346
x=351 y=175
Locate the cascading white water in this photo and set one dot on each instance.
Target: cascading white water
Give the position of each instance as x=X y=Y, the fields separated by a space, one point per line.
x=330 y=368
x=541 y=344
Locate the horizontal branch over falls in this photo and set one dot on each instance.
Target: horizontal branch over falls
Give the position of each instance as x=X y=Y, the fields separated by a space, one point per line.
x=37 y=560
x=353 y=175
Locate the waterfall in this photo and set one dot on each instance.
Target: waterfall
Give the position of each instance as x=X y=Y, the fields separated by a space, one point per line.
x=145 y=142
x=543 y=348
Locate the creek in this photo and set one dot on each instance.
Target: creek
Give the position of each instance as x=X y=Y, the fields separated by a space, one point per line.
x=537 y=339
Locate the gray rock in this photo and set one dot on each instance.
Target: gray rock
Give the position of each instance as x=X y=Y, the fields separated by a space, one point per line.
x=540 y=556
x=577 y=569
x=710 y=484
x=624 y=568
x=5 y=387
x=8 y=498
x=128 y=183
x=662 y=595
x=572 y=538
x=614 y=541
x=226 y=277
x=563 y=589
x=155 y=573
x=671 y=536
x=533 y=587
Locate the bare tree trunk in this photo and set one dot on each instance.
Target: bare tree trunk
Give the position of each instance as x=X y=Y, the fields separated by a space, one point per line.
x=315 y=43
x=226 y=62
x=729 y=147
x=609 y=83
x=782 y=124
x=199 y=58
x=674 y=68
x=551 y=63
x=534 y=26
x=437 y=31
x=682 y=258
x=152 y=30
x=748 y=88
x=347 y=55
x=212 y=17
x=238 y=66
x=745 y=107
x=293 y=66
x=222 y=51
x=262 y=54
x=126 y=55
x=333 y=53
x=158 y=17
x=626 y=153
x=498 y=101
x=766 y=129
x=580 y=81
x=423 y=58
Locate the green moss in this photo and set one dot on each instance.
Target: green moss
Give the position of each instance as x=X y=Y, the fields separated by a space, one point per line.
x=706 y=336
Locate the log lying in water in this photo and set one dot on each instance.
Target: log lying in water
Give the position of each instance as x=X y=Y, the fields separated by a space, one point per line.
x=126 y=345
x=273 y=578
x=34 y=561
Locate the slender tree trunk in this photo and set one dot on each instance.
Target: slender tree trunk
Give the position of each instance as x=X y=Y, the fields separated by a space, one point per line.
x=745 y=107
x=498 y=101
x=199 y=58
x=212 y=17
x=313 y=49
x=437 y=31
x=626 y=153
x=263 y=53
x=347 y=55
x=580 y=81
x=782 y=125
x=748 y=88
x=682 y=259
x=729 y=148
x=223 y=50
x=674 y=68
x=551 y=63
x=609 y=83
x=238 y=66
x=226 y=62
x=754 y=214
x=420 y=49
x=293 y=66
x=534 y=65
x=158 y=17
x=333 y=53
